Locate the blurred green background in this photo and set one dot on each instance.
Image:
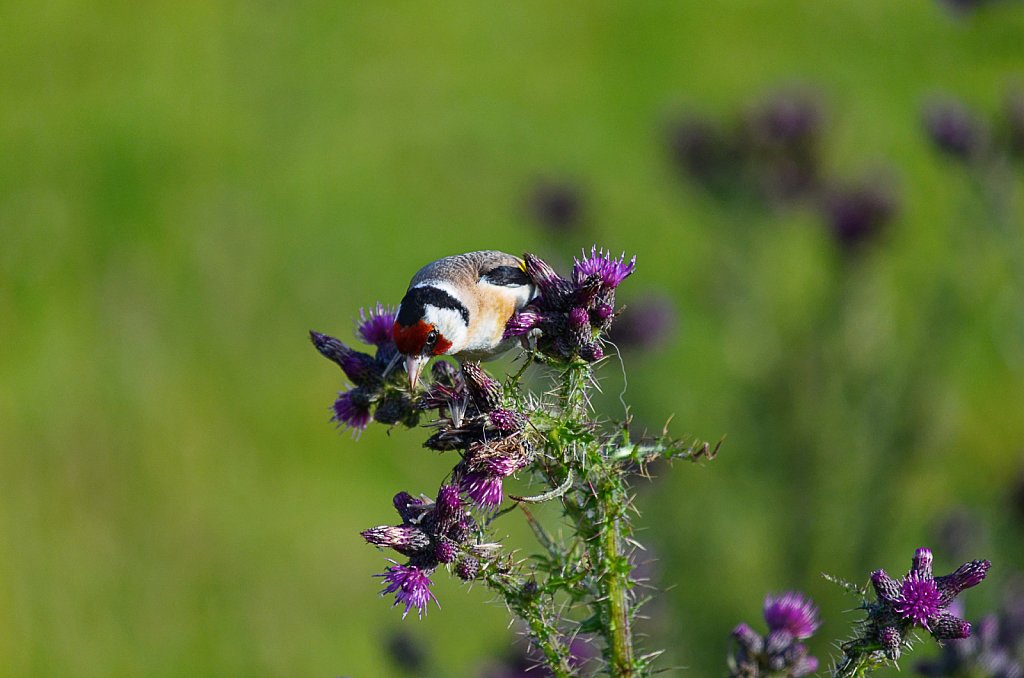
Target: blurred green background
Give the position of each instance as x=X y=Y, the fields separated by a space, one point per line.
x=187 y=187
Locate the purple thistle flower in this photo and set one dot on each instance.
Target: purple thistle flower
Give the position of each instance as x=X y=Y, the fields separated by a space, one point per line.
x=410 y=508
x=375 y=327
x=446 y=551
x=600 y=263
x=946 y=626
x=395 y=407
x=352 y=409
x=602 y=312
x=359 y=367
x=448 y=509
x=805 y=665
x=501 y=467
x=578 y=317
x=783 y=133
x=405 y=539
x=919 y=599
x=793 y=613
x=592 y=352
x=967 y=575
x=506 y=421
x=411 y=587
x=521 y=323
x=467 y=568
x=886 y=588
x=483 y=489
x=790 y=617
x=922 y=563
x=891 y=641
x=555 y=291
x=485 y=391
x=750 y=640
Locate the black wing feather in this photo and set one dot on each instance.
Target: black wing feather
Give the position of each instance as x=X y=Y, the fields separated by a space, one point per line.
x=506 y=276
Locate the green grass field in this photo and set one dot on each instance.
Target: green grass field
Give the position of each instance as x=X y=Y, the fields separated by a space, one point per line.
x=187 y=187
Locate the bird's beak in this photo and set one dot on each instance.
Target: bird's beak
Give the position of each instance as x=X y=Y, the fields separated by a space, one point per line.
x=414 y=365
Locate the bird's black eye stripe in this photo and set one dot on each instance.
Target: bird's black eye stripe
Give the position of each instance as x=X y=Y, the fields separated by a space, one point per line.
x=506 y=276
x=412 y=307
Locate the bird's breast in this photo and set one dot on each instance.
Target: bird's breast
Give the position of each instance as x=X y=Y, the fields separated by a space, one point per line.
x=487 y=324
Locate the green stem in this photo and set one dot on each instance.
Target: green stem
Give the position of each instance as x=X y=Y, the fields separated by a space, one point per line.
x=851 y=666
x=619 y=631
x=597 y=507
x=542 y=627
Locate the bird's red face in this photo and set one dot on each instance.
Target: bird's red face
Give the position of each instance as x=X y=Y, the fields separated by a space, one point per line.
x=419 y=339
x=418 y=343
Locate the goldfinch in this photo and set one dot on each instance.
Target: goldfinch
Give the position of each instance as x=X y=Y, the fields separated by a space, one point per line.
x=458 y=306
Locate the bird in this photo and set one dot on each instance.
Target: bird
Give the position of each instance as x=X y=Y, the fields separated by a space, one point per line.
x=458 y=306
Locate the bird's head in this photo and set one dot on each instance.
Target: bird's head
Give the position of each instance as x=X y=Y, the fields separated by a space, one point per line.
x=431 y=321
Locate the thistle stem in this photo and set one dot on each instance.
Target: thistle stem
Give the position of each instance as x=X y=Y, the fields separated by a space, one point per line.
x=851 y=666
x=543 y=632
x=619 y=631
x=596 y=507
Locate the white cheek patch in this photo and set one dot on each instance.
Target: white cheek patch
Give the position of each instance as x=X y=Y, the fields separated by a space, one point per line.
x=450 y=324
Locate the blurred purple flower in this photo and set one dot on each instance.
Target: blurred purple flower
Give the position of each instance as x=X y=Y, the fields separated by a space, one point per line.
x=791 y=617
x=789 y=119
x=954 y=129
x=959 y=532
x=985 y=653
x=705 y=153
x=556 y=205
x=784 y=133
x=857 y=213
x=644 y=324
x=407 y=652
x=962 y=7
x=1013 y=111
x=793 y=613
x=411 y=587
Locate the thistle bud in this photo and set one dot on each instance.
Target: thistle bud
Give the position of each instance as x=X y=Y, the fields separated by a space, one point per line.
x=448 y=509
x=556 y=292
x=446 y=551
x=486 y=392
x=359 y=367
x=393 y=408
x=467 y=568
x=922 y=563
x=407 y=540
x=886 y=588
